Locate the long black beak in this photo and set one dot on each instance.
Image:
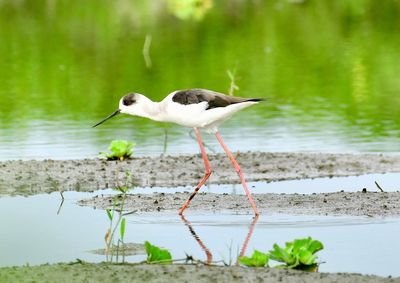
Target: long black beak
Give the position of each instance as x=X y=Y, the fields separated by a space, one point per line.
x=108 y=117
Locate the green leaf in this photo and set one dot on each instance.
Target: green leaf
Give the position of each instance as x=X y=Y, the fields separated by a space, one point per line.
x=156 y=254
x=315 y=246
x=110 y=216
x=298 y=254
x=122 y=229
x=258 y=259
x=300 y=244
x=123 y=189
x=282 y=255
x=306 y=257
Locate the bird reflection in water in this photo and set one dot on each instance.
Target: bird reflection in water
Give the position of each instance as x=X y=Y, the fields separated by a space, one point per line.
x=207 y=251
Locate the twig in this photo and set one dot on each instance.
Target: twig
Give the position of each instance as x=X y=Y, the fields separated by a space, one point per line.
x=130 y=212
x=62 y=201
x=146 y=51
x=379 y=187
x=77 y=261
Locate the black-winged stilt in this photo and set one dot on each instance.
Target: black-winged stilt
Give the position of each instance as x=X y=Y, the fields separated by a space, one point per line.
x=196 y=108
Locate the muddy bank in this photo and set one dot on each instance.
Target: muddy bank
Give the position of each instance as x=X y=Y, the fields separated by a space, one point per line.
x=171 y=273
x=340 y=203
x=31 y=177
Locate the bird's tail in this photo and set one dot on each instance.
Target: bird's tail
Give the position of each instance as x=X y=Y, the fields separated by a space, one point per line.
x=254 y=99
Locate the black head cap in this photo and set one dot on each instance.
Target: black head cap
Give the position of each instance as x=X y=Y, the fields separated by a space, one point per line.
x=129 y=99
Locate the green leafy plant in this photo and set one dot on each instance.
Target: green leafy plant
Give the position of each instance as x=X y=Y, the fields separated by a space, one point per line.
x=299 y=254
x=120 y=150
x=156 y=254
x=258 y=259
x=116 y=219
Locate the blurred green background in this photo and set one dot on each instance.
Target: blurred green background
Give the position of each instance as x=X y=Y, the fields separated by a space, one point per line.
x=329 y=68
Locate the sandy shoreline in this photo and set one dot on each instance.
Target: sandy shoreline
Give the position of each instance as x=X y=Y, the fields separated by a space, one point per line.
x=32 y=177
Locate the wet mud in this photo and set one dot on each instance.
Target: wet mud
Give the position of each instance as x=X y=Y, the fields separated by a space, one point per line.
x=172 y=273
x=372 y=204
x=33 y=177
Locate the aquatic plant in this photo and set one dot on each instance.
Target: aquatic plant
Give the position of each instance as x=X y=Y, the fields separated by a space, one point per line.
x=116 y=213
x=258 y=259
x=156 y=254
x=120 y=150
x=299 y=254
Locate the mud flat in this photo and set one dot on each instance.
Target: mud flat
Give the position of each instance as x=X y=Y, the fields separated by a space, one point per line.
x=172 y=273
x=372 y=204
x=32 y=177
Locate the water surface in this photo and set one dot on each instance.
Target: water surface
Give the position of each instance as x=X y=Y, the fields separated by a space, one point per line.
x=389 y=182
x=37 y=230
x=329 y=71
x=36 y=234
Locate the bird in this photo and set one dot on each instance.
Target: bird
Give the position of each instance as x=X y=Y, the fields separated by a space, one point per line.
x=197 y=108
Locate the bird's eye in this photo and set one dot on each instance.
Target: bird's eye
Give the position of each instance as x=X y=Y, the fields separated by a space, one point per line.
x=128 y=99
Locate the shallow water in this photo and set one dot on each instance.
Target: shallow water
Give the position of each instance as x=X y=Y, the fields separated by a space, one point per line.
x=389 y=182
x=34 y=233
x=329 y=69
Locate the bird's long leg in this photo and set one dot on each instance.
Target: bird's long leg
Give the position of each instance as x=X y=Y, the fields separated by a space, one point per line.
x=239 y=171
x=206 y=174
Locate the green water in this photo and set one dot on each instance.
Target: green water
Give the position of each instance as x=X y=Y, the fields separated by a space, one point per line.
x=329 y=68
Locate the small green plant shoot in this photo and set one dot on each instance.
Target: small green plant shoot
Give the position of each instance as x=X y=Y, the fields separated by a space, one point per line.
x=120 y=150
x=299 y=254
x=116 y=219
x=156 y=254
x=258 y=259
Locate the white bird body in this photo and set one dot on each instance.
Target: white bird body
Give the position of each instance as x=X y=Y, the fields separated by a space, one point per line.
x=197 y=108
x=194 y=115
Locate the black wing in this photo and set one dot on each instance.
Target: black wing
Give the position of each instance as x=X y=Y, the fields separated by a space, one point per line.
x=214 y=99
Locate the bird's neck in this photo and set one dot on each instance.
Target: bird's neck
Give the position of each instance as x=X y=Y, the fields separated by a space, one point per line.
x=151 y=110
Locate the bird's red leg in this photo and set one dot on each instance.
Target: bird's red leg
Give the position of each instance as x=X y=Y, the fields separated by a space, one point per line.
x=206 y=174
x=238 y=170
